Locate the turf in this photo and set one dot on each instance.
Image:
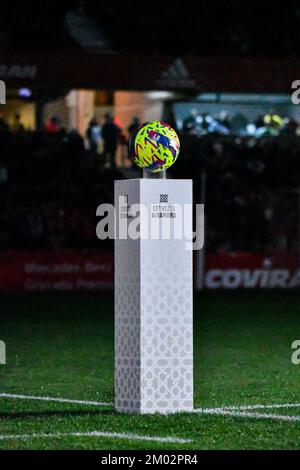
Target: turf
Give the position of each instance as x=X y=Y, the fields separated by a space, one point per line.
x=62 y=345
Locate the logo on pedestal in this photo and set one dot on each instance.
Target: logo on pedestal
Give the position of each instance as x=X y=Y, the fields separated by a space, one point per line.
x=163 y=198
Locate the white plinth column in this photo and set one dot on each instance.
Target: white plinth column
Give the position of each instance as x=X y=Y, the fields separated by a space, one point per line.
x=153 y=299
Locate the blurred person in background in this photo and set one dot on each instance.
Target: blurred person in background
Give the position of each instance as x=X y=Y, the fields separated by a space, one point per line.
x=110 y=135
x=3 y=124
x=189 y=122
x=17 y=125
x=135 y=122
x=53 y=125
x=94 y=136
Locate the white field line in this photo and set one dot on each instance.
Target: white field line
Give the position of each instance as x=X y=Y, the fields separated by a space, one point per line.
x=59 y=400
x=246 y=414
x=114 y=435
x=196 y=410
x=250 y=407
x=242 y=411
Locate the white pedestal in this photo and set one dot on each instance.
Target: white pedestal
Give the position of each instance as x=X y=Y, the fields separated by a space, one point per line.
x=153 y=303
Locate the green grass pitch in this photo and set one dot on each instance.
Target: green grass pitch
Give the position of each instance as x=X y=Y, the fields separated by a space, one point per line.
x=61 y=345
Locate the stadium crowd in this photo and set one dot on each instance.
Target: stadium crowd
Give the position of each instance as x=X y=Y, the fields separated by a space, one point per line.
x=252 y=190
x=51 y=183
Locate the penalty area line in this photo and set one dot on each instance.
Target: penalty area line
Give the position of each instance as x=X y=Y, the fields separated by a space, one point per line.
x=54 y=399
x=110 y=435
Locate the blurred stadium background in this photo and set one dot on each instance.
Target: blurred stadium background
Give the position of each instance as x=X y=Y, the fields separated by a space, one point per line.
x=80 y=76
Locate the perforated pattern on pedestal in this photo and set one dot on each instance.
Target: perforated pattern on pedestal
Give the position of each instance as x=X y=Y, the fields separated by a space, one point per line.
x=166 y=329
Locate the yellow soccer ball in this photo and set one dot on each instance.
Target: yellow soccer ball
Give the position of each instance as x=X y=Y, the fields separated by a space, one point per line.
x=154 y=146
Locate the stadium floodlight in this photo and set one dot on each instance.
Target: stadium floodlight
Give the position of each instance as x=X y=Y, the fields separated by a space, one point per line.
x=153 y=282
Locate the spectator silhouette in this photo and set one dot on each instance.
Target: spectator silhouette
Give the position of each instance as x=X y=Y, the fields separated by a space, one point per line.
x=110 y=135
x=3 y=124
x=133 y=125
x=17 y=124
x=52 y=126
x=93 y=135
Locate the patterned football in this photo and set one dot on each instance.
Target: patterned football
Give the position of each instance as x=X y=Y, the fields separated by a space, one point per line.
x=154 y=146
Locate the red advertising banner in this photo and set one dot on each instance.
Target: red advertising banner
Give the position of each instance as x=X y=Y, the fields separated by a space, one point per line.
x=251 y=271
x=92 y=271
x=66 y=271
